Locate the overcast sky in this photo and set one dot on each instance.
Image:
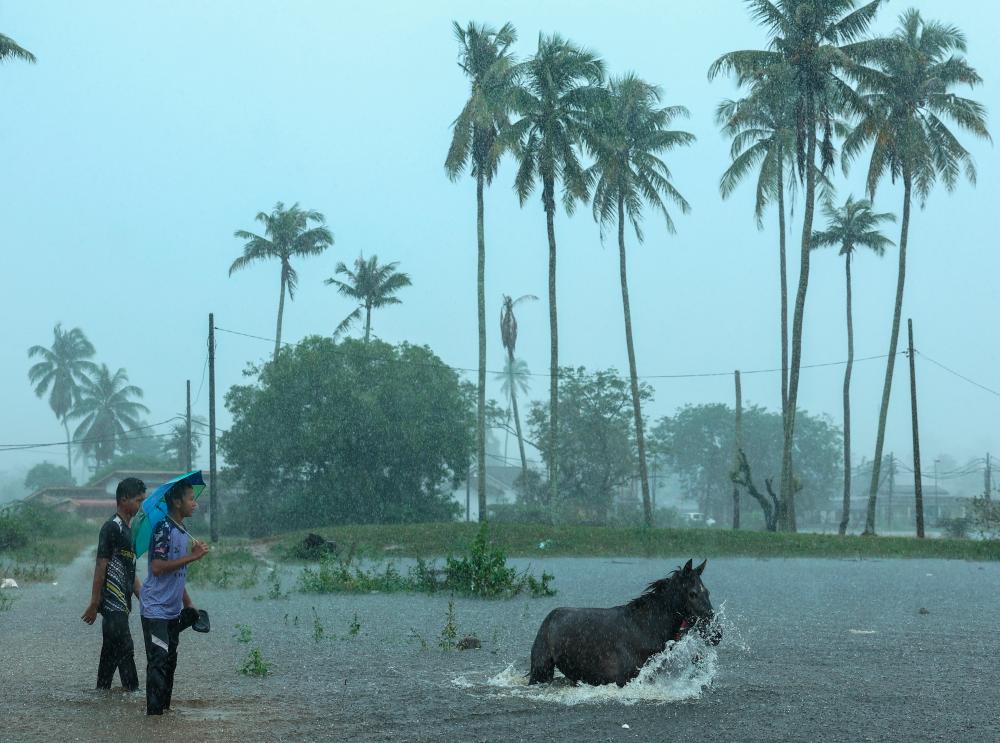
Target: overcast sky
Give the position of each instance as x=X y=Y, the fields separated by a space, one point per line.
x=148 y=132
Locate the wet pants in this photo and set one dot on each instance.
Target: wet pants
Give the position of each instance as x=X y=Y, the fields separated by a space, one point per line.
x=161 y=638
x=117 y=652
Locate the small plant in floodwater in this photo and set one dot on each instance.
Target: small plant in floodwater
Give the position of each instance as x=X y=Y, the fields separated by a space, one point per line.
x=417 y=636
x=274 y=586
x=6 y=601
x=296 y=622
x=243 y=633
x=449 y=632
x=318 y=630
x=355 y=627
x=255 y=665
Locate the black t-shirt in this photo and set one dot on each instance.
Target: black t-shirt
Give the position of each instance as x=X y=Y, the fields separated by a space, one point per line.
x=115 y=546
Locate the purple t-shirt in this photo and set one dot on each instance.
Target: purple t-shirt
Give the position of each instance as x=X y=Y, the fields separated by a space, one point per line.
x=162 y=596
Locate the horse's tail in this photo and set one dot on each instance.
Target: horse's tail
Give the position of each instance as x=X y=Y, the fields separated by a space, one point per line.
x=543 y=662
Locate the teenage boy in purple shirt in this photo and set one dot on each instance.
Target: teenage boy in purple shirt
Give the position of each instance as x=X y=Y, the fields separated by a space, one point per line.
x=166 y=607
x=114 y=583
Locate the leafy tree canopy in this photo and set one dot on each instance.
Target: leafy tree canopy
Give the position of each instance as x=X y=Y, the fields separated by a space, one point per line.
x=47 y=475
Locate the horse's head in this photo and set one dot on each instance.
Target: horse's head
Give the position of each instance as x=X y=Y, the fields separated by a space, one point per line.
x=694 y=605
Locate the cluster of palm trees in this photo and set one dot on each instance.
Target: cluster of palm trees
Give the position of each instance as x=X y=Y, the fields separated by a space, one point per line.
x=824 y=79
x=293 y=232
x=550 y=112
x=103 y=405
x=823 y=82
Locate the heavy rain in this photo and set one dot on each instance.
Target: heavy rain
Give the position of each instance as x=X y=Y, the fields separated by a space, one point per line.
x=630 y=376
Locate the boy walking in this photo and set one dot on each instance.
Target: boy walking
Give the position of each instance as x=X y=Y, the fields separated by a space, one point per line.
x=114 y=583
x=166 y=607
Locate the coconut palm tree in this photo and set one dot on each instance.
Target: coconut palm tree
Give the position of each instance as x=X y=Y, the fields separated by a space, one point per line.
x=816 y=42
x=515 y=372
x=486 y=60
x=909 y=101
x=9 y=49
x=849 y=227
x=107 y=411
x=372 y=285
x=60 y=372
x=287 y=235
x=559 y=85
x=628 y=135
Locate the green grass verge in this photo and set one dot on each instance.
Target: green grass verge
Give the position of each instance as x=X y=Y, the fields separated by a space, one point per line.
x=380 y=541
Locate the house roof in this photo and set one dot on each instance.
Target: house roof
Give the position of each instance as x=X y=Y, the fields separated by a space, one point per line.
x=68 y=491
x=158 y=476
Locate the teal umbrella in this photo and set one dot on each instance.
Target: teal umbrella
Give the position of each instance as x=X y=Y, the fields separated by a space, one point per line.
x=154 y=509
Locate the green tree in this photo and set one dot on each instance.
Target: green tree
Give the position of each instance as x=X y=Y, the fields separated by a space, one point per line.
x=175 y=445
x=597 y=449
x=849 y=227
x=515 y=371
x=60 y=372
x=486 y=60
x=909 y=100
x=697 y=443
x=628 y=135
x=372 y=285
x=287 y=235
x=816 y=43
x=47 y=475
x=9 y=49
x=348 y=432
x=107 y=410
x=559 y=87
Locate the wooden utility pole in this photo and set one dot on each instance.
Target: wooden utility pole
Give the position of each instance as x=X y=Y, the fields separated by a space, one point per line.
x=187 y=454
x=213 y=489
x=918 y=492
x=988 y=478
x=892 y=485
x=738 y=444
x=468 y=492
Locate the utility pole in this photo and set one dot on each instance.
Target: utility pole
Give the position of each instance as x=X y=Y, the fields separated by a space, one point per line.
x=918 y=492
x=892 y=484
x=213 y=489
x=738 y=444
x=989 y=478
x=468 y=491
x=187 y=454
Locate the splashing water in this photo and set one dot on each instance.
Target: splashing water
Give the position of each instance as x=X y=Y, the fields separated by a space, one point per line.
x=682 y=672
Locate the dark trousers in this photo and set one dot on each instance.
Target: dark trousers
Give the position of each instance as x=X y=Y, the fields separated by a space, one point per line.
x=117 y=652
x=161 y=637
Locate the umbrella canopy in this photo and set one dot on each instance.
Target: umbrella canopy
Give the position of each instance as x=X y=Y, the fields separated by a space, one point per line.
x=154 y=509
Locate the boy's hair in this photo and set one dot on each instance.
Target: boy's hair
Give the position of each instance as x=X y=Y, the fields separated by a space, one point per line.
x=129 y=488
x=176 y=492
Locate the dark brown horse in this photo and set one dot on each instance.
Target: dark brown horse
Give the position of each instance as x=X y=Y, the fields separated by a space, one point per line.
x=601 y=646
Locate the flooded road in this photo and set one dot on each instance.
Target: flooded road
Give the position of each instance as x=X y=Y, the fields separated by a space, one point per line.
x=815 y=650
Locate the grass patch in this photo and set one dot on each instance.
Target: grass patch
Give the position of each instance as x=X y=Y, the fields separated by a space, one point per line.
x=34 y=539
x=382 y=541
x=225 y=567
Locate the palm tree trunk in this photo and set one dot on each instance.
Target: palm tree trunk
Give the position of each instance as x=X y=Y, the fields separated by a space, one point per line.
x=647 y=508
x=517 y=421
x=846 y=512
x=281 y=312
x=784 y=292
x=890 y=362
x=481 y=299
x=368 y=322
x=69 y=455
x=548 y=199
x=786 y=515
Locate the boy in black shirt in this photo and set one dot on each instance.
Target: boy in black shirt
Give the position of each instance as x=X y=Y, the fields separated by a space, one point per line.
x=114 y=583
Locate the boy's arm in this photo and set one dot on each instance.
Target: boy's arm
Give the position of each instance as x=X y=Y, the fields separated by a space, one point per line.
x=136 y=586
x=188 y=603
x=100 y=573
x=159 y=567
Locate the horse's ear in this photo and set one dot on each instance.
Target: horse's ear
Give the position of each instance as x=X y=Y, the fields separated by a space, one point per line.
x=701 y=568
x=687 y=567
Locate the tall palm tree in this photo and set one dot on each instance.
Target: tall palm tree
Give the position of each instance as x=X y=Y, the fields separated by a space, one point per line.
x=287 y=235
x=817 y=41
x=60 y=372
x=515 y=373
x=9 y=49
x=908 y=101
x=486 y=60
x=851 y=226
x=107 y=410
x=628 y=136
x=559 y=85
x=372 y=285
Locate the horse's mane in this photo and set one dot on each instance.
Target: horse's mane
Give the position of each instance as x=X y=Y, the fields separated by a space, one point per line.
x=658 y=589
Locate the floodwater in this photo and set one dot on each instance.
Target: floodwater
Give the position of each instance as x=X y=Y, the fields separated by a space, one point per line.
x=815 y=650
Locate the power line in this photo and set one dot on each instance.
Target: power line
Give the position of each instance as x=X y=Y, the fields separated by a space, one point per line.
x=91 y=440
x=960 y=376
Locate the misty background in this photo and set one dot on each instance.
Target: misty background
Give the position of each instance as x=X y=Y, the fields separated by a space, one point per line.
x=148 y=132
